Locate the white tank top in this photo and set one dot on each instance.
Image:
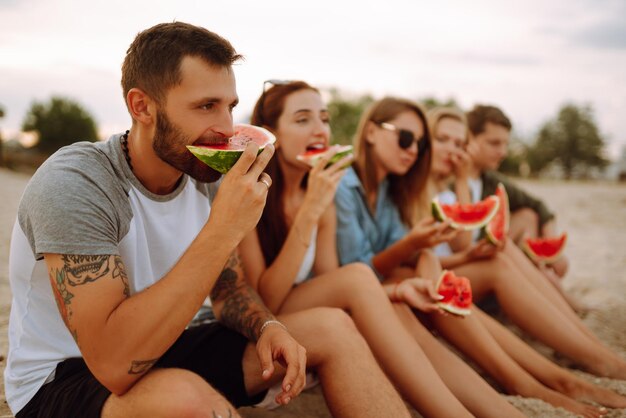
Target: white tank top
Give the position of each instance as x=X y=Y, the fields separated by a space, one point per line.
x=307 y=260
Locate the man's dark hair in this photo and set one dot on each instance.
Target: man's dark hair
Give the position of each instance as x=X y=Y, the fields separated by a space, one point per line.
x=152 y=61
x=480 y=115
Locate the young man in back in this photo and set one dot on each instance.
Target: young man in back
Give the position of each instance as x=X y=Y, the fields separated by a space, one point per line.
x=488 y=140
x=129 y=237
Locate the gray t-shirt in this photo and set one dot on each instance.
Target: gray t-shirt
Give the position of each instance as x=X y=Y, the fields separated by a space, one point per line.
x=85 y=200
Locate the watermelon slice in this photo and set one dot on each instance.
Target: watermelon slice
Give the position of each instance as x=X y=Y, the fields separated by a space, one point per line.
x=456 y=292
x=221 y=157
x=466 y=216
x=312 y=156
x=546 y=250
x=498 y=228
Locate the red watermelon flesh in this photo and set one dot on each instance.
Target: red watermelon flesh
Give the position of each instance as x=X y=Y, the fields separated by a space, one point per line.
x=545 y=250
x=456 y=292
x=498 y=228
x=312 y=155
x=223 y=155
x=466 y=216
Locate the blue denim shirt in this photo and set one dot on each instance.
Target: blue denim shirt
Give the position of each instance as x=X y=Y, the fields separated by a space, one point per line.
x=360 y=233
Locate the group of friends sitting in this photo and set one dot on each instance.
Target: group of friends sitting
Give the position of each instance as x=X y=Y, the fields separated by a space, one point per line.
x=180 y=292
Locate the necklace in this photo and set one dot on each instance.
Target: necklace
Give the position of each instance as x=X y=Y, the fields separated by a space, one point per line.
x=124 y=142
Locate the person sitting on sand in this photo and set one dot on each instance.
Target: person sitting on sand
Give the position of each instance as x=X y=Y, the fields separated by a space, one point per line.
x=387 y=150
x=129 y=237
x=488 y=140
x=291 y=260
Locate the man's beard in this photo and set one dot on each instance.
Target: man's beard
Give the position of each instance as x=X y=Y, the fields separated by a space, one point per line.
x=170 y=145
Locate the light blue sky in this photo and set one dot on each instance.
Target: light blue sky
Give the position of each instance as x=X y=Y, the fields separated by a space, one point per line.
x=527 y=57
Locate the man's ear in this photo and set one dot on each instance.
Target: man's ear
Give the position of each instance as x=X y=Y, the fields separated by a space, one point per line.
x=142 y=107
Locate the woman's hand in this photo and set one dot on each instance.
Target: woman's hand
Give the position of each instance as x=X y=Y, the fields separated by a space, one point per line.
x=461 y=163
x=428 y=233
x=481 y=250
x=418 y=293
x=323 y=181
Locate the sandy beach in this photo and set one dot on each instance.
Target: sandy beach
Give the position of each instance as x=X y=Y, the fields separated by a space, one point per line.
x=594 y=214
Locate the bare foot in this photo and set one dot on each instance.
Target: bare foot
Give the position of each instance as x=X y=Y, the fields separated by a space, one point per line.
x=578 y=408
x=584 y=391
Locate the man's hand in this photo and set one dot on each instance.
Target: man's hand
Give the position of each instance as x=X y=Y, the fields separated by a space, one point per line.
x=276 y=344
x=240 y=200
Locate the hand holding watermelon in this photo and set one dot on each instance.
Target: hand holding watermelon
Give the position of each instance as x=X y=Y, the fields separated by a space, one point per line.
x=240 y=200
x=481 y=250
x=323 y=181
x=428 y=233
x=418 y=293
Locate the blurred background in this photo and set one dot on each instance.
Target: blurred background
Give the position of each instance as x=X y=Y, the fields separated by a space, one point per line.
x=557 y=68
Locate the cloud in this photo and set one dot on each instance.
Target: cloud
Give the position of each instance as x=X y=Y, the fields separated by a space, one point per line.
x=610 y=33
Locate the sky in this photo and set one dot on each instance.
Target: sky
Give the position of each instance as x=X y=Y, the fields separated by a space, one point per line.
x=528 y=58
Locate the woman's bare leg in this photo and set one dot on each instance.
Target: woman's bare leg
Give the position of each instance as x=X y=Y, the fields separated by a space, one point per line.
x=355 y=289
x=544 y=370
x=472 y=390
x=527 y=306
x=531 y=273
x=472 y=338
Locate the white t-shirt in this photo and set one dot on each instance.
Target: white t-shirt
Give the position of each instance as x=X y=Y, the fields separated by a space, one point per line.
x=447 y=197
x=85 y=200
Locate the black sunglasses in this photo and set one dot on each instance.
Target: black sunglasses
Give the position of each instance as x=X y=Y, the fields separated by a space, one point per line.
x=406 y=137
x=266 y=83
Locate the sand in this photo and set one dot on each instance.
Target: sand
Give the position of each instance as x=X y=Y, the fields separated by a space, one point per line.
x=594 y=214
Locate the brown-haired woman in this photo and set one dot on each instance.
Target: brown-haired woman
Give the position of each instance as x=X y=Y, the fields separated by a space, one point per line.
x=295 y=239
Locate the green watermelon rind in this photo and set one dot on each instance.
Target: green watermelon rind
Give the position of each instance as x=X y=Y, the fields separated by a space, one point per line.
x=449 y=307
x=224 y=160
x=439 y=215
x=547 y=260
x=343 y=151
x=488 y=233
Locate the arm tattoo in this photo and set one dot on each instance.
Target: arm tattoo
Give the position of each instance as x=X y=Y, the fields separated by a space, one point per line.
x=243 y=309
x=83 y=269
x=120 y=271
x=62 y=296
x=141 y=366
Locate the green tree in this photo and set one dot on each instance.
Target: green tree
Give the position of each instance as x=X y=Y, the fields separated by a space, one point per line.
x=344 y=115
x=59 y=122
x=430 y=102
x=572 y=140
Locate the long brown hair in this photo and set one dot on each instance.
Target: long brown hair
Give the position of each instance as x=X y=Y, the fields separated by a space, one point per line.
x=272 y=227
x=406 y=190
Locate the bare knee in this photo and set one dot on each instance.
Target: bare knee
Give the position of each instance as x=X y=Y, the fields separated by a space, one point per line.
x=360 y=280
x=170 y=393
x=336 y=335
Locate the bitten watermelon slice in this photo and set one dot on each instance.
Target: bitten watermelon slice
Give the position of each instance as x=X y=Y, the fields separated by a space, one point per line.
x=456 y=292
x=221 y=157
x=466 y=216
x=497 y=229
x=546 y=250
x=312 y=156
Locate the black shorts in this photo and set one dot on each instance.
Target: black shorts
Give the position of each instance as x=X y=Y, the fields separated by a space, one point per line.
x=210 y=350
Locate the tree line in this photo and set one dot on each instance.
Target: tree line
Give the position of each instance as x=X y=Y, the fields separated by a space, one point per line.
x=570 y=140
